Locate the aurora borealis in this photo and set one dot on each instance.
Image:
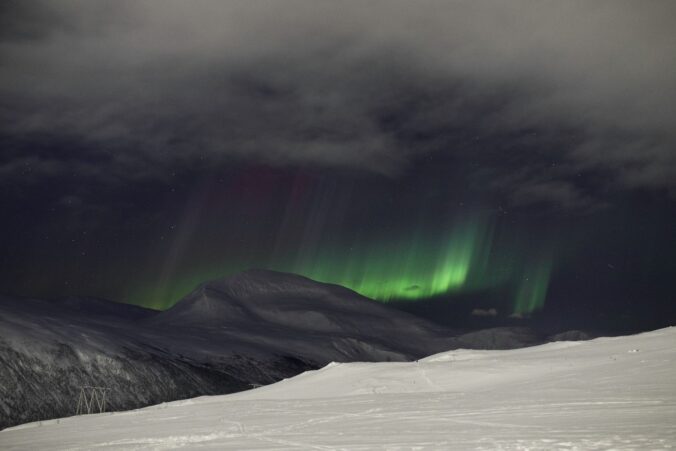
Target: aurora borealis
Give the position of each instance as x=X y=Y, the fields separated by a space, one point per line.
x=532 y=290
x=405 y=268
x=459 y=256
x=420 y=268
x=421 y=155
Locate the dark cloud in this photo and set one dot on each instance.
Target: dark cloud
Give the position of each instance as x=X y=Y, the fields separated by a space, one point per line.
x=70 y=201
x=134 y=90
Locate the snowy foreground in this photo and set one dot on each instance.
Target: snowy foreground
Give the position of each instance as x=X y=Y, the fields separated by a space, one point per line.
x=608 y=393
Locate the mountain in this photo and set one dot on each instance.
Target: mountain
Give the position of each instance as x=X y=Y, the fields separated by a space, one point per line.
x=253 y=328
x=608 y=393
x=250 y=329
x=323 y=322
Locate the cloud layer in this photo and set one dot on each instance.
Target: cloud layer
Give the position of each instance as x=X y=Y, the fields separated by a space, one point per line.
x=538 y=96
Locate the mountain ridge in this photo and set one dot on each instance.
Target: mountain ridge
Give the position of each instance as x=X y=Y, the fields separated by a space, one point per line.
x=254 y=328
x=228 y=334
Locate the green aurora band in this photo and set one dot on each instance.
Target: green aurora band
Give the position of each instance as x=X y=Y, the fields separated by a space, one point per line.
x=532 y=289
x=460 y=259
x=403 y=269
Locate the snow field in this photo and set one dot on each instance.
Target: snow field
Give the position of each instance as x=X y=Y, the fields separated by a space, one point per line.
x=608 y=393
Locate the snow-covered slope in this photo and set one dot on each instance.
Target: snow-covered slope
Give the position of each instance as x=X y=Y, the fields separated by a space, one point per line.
x=254 y=328
x=287 y=311
x=608 y=393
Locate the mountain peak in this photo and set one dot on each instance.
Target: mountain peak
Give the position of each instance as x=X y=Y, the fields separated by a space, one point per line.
x=264 y=282
x=295 y=304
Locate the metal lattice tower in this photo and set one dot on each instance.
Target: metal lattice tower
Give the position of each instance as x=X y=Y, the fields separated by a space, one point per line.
x=91 y=400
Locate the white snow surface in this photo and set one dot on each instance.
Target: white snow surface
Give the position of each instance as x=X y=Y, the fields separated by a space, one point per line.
x=608 y=393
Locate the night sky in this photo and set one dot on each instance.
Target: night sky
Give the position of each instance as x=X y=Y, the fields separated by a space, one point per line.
x=517 y=159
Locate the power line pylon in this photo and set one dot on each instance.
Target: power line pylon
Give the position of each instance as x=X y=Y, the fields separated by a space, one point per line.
x=92 y=400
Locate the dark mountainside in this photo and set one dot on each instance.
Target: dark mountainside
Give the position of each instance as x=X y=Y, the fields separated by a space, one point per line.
x=254 y=328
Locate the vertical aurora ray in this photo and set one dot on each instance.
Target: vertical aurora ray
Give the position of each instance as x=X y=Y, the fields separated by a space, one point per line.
x=412 y=267
x=470 y=254
x=532 y=288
